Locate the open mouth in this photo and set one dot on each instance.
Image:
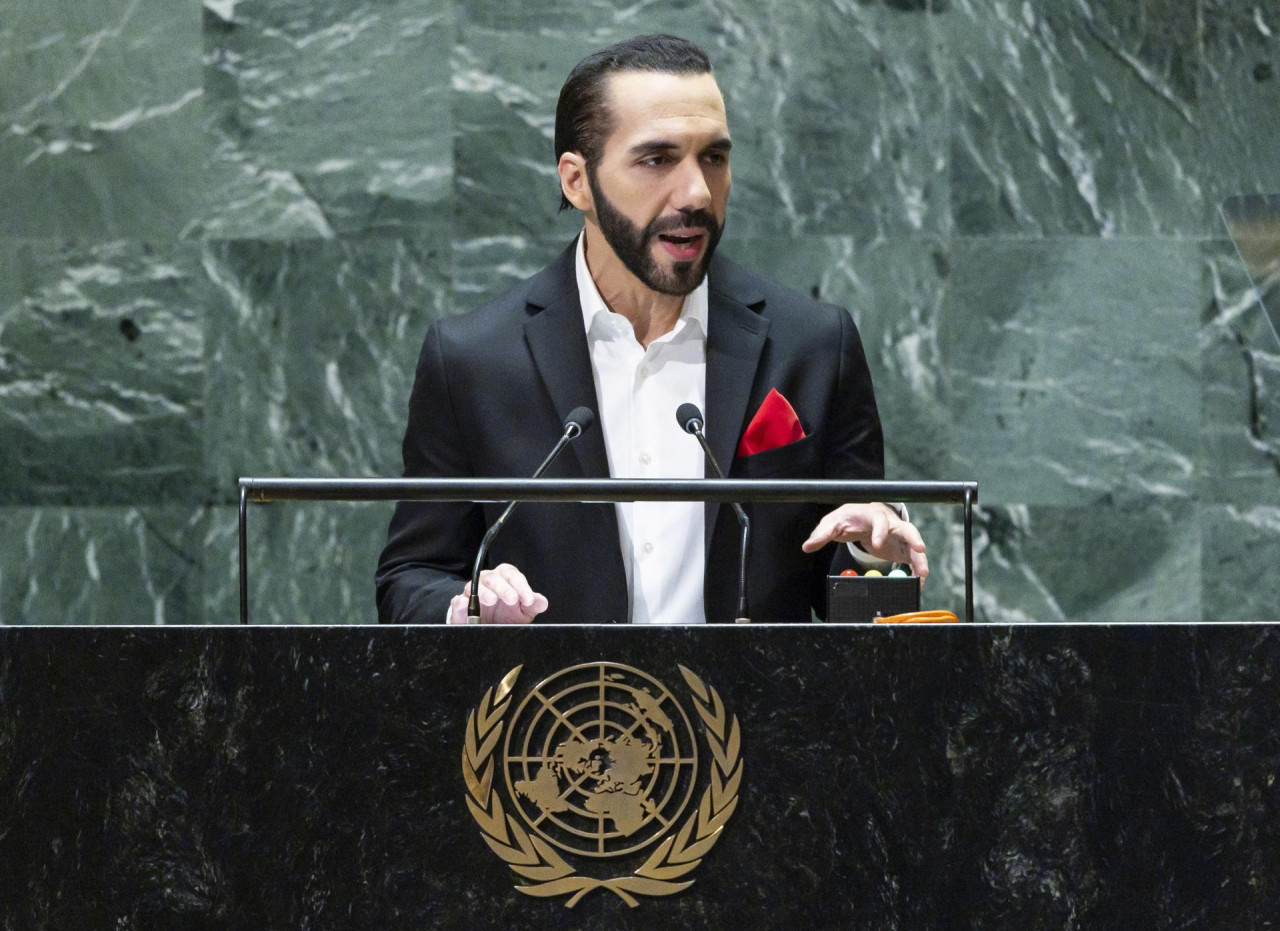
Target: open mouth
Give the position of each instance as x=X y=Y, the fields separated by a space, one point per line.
x=682 y=248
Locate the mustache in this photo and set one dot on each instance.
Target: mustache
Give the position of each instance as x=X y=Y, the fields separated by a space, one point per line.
x=702 y=218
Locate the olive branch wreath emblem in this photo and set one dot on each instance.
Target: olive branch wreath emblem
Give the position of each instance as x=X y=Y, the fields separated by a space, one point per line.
x=534 y=859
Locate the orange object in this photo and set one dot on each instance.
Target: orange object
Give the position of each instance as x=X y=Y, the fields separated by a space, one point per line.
x=920 y=617
x=849 y=572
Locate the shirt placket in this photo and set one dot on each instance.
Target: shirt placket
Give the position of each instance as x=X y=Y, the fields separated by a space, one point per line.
x=643 y=452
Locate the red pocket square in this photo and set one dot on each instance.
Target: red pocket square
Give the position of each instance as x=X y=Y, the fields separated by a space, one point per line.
x=774 y=425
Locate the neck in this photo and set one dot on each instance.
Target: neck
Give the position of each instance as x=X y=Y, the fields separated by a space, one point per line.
x=651 y=313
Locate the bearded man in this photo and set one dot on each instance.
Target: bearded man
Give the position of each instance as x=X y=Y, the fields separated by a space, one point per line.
x=636 y=317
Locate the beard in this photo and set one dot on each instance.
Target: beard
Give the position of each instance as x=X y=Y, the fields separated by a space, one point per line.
x=633 y=245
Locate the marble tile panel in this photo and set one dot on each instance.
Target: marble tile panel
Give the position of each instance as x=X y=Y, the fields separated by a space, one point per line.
x=1099 y=564
x=1241 y=552
x=108 y=565
x=838 y=119
x=895 y=290
x=1042 y=563
x=1240 y=93
x=1240 y=391
x=69 y=62
x=1075 y=368
x=1076 y=118
x=100 y=104
x=327 y=118
x=486 y=267
x=505 y=89
x=312 y=350
x=101 y=373
x=309 y=563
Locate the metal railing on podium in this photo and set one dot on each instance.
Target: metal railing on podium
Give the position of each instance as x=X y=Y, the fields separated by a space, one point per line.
x=593 y=490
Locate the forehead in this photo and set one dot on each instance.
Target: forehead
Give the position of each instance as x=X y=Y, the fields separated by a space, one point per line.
x=643 y=103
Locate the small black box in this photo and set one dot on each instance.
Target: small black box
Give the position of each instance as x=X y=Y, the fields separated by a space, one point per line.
x=856 y=599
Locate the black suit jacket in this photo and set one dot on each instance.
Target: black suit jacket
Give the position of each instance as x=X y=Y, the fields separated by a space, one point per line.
x=493 y=388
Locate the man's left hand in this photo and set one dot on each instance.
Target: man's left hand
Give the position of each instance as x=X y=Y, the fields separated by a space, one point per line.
x=878 y=529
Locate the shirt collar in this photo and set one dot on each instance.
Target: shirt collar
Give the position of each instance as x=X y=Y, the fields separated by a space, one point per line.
x=694 y=310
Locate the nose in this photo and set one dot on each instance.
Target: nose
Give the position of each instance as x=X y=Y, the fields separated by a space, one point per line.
x=692 y=191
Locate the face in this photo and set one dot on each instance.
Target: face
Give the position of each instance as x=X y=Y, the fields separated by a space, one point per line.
x=662 y=186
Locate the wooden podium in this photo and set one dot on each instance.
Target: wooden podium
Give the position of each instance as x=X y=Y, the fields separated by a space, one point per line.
x=815 y=777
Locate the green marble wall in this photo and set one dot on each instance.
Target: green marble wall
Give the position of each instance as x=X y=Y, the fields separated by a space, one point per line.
x=223 y=231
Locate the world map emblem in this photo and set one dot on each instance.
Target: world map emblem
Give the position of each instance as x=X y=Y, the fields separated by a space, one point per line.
x=599 y=764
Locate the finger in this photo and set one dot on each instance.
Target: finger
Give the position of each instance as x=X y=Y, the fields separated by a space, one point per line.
x=537 y=604
x=821 y=534
x=458 y=608
x=844 y=524
x=515 y=578
x=920 y=565
x=879 y=530
x=910 y=536
x=499 y=587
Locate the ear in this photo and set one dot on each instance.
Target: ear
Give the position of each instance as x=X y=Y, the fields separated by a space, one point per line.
x=573 y=181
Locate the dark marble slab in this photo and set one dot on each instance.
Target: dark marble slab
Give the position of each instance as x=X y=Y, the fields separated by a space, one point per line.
x=1075 y=369
x=101 y=565
x=1075 y=118
x=1102 y=564
x=1022 y=777
x=1241 y=551
x=314 y=346
x=1240 y=384
x=327 y=119
x=100 y=105
x=839 y=112
x=1240 y=94
x=101 y=372
x=309 y=563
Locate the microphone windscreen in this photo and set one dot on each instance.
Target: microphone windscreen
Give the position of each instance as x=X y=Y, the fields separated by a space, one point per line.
x=582 y=416
x=686 y=415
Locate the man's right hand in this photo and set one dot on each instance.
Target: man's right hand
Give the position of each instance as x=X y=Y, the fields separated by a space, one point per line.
x=505 y=598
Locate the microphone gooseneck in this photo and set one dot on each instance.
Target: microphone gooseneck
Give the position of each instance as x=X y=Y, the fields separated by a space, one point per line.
x=579 y=421
x=691 y=422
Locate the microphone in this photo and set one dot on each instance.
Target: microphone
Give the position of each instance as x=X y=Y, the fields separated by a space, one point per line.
x=577 y=423
x=690 y=420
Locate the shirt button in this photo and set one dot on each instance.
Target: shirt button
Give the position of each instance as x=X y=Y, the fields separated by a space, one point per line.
x=644 y=371
x=648 y=547
x=645 y=459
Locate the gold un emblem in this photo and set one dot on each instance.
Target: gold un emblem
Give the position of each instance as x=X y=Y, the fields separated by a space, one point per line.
x=599 y=762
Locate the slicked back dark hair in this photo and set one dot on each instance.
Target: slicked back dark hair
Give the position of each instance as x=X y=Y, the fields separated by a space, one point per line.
x=583 y=121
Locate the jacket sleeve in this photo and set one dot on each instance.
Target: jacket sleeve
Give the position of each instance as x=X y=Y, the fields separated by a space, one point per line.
x=430 y=545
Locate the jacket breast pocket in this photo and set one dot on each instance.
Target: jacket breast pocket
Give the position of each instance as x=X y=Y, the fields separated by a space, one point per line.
x=794 y=460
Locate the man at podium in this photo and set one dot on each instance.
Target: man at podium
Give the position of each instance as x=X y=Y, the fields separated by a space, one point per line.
x=637 y=317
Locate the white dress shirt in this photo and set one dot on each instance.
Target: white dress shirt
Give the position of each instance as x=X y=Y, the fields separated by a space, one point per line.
x=639 y=389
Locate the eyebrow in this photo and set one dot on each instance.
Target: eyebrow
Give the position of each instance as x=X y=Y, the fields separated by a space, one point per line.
x=723 y=144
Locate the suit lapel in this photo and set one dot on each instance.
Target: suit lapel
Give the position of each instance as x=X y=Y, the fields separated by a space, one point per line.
x=736 y=336
x=558 y=345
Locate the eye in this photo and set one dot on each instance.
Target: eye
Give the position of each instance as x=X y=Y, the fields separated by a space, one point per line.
x=654 y=161
x=716 y=158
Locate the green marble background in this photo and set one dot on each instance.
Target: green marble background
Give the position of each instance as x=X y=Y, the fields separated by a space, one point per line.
x=224 y=230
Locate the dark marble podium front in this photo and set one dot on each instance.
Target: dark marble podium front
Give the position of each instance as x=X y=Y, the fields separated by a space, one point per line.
x=930 y=777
